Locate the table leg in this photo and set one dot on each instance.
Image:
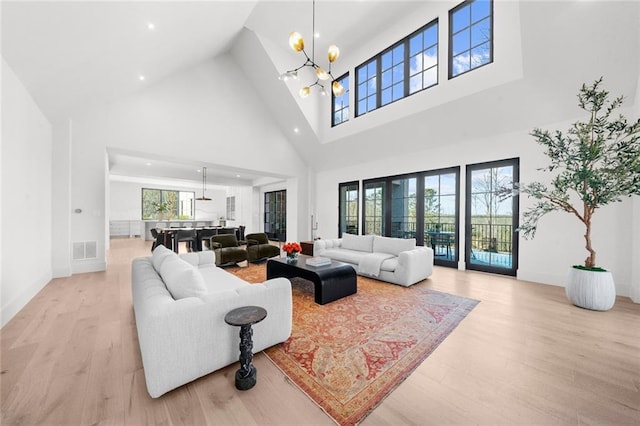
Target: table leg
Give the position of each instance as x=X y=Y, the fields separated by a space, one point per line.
x=246 y=376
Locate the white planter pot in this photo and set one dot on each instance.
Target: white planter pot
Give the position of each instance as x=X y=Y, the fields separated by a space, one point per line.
x=591 y=289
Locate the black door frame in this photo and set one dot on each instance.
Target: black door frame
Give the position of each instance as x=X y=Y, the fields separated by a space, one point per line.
x=515 y=163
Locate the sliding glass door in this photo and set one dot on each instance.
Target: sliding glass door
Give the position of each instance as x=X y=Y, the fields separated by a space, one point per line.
x=403 y=207
x=420 y=205
x=441 y=222
x=491 y=220
x=349 y=199
x=374 y=208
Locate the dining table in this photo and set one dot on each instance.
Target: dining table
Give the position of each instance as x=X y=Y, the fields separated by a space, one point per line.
x=167 y=235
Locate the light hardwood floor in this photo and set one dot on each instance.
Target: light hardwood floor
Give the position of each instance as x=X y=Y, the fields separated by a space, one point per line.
x=524 y=356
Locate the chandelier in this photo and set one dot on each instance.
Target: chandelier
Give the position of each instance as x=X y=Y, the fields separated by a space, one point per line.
x=297 y=43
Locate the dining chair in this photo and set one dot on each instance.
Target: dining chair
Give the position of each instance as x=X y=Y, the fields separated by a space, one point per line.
x=187 y=236
x=204 y=236
x=157 y=238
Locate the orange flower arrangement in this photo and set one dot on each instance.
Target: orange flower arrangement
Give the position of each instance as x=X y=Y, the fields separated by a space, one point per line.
x=292 y=248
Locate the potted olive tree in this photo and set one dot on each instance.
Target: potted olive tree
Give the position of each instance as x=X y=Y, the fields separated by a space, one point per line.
x=595 y=163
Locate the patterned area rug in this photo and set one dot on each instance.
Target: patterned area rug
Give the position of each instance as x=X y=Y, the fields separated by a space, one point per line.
x=350 y=354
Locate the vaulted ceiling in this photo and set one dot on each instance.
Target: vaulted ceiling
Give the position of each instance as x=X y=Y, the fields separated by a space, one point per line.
x=74 y=55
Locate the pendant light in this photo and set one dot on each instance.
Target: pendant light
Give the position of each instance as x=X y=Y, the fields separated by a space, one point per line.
x=296 y=42
x=204 y=186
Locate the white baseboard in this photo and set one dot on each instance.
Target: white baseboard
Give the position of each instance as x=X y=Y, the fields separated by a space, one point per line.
x=10 y=309
x=84 y=266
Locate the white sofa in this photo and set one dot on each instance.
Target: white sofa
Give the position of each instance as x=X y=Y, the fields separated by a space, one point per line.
x=395 y=260
x=180 y=303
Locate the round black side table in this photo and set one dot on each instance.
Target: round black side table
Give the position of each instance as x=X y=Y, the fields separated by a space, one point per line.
x=245 y=317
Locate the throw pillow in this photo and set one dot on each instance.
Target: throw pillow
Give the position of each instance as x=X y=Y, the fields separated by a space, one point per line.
x=357 y=242
x=159 y=255
x=182 y=279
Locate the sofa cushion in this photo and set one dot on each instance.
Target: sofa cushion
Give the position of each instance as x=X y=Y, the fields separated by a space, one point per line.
x=182 y=279
x=389 y=264
x=342 y=255
x=159 y=255
x=393 y=245
x=217 y=280
x=357 y=242
x=199 y=258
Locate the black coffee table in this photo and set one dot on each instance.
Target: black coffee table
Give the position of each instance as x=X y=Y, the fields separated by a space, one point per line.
x=330 y=282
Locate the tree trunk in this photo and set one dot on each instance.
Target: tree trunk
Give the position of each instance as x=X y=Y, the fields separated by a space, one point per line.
x=590 y=261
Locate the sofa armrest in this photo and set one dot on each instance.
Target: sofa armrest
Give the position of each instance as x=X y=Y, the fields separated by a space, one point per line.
x=181 y=340
x=414 y=265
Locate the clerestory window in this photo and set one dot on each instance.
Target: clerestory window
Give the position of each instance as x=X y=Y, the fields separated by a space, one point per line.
x=407 y=67
x=470 y=36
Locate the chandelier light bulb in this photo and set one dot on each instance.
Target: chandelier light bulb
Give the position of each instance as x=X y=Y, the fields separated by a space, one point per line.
x=296 y=42
x=334 y=53
x=322 y=74
x=337 y=88
x=304 y=92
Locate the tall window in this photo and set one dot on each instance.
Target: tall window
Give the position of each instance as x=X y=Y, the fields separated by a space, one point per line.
x=275 y=215
x=407 y=67
x=403 y=207
x=349 y=199
x=172 y=204
x=373 y=220
x=441 y=218
x=340 y=104
x=492 y=220
x=231 y=208
x=470 y=36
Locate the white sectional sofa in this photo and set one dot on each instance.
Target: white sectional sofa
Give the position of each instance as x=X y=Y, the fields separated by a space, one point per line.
x=395 y=260
x=180 y=303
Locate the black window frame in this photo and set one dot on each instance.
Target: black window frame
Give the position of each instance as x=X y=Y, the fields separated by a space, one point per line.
x=387 y=208
x=406 y=41
x=342 y=227
x=278 y=214
x=345 y=95
x=450 y=57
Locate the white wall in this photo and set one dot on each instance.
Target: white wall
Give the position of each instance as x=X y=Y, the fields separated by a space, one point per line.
x=558 y=243
x=26 y=197
x=208 y=113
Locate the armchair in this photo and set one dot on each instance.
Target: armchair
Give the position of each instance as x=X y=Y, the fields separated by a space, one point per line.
x=258 y=247
x=227 y=249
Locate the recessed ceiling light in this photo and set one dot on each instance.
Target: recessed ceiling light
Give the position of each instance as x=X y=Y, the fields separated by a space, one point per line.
x=148 y=164
x=237 y=176
x=141 y=77
x=198 y=170
x=317 y=35
x=296 y=130
x=151 y=26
